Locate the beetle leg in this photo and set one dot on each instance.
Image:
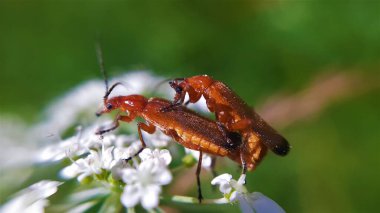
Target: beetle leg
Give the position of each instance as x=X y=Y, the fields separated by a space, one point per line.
x=115 y=124
x=179 y=98
x=180 y=93
x=172 y=106
x=150 y=128
x=200 y=197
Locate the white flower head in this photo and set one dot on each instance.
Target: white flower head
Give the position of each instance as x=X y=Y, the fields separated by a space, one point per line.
x=224 y=183
x=162 y=156
x=127 y=152
x=33 y=198
x=92 y=164
x=75 y=145
x=66 y=148
x=144 y=184
x=249 y=202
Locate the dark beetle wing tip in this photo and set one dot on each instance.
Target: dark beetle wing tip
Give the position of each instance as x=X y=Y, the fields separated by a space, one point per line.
x=282 y=148
x=275 y=142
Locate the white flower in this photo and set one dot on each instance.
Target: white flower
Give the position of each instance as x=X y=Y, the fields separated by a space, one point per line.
x=144 y=184
x=33 y=198
x=206 y=159
x=92 y=164
x=120 y=155
x=230 y=187
x=66 y=148
x=81 y=143
x=130 y=151
x=75 y=145
x=162 y=156
x=224 y=183
x=249 y=202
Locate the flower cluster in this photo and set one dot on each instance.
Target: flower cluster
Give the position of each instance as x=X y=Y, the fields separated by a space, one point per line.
x=107 y=170
x=140 y=179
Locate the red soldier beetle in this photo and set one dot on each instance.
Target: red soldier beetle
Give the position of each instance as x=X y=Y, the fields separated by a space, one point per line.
x=233 y=113
x=185 y=126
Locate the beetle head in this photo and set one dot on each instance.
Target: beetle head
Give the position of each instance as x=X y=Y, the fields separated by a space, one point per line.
x=129 y=103
x=198 y=83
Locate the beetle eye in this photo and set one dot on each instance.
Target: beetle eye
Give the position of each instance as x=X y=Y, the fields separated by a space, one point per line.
x=109 y=106
x=178 y=90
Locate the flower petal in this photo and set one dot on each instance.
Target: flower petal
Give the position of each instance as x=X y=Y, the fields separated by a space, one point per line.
x=151 y=197
x=225 y=188
x=221 y=179
x=129 y=175
x=206 y=161
x=69 y=171
x=131 y=195
x=165 y=156
x=233 y=196
x=146 y=154
x=164 y=177
x=148 y=166
x=107 y=158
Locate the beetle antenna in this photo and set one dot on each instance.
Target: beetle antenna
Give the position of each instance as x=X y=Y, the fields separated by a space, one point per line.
x=112 y=88
x=99 y=54
x=159 y=84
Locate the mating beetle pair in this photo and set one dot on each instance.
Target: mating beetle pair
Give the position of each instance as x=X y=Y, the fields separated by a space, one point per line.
x=238 y=133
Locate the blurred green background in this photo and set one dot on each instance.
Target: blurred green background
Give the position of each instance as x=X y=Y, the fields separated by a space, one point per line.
x=259 y=48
